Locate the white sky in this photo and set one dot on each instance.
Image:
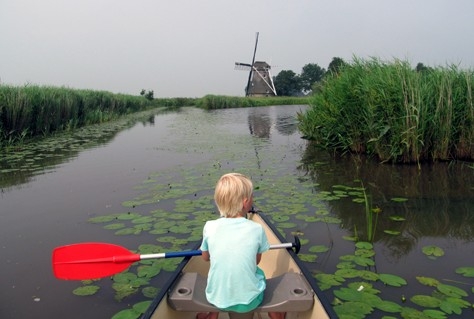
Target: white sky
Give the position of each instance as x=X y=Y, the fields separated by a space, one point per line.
x=187 y=48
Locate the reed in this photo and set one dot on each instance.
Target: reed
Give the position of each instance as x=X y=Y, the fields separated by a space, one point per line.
x=394 y=113
x=30 y=110
x=209 y=102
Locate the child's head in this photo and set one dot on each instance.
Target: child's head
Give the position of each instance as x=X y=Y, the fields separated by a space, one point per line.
x=233 y=194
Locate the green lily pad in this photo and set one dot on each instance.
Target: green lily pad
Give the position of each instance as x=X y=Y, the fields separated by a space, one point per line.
x=150 y=292
x=392 y=280
x=308 y=257
x=353 y=309
x=450 y=307
x=465 y=271
x=397 y=218
x=318 y=249
x=426 y=301
x=435 y=314
x=452 y=291
x=102 y=219
x=388 y=306
x=86 y=290
x=427 y=281
x=432 y=250
x=127 y=314
x=364 y=245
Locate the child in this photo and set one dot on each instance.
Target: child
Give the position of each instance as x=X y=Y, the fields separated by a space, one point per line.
x=234 y=246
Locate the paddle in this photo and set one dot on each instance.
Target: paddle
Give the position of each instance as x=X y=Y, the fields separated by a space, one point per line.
x=96 y=260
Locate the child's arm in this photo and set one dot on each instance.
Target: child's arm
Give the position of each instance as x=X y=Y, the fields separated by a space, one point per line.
x=205 y=255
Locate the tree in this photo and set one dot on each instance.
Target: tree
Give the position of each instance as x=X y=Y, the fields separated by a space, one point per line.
x=287 y=83
x=311 y=73
x=148 y=95
x=336 y=65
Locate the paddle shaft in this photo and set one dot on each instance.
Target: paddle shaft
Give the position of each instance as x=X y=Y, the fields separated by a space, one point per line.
x=97 y=260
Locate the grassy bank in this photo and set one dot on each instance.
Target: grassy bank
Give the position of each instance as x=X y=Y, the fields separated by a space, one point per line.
x=395 y=113
x=223 y=102
x=30 y=111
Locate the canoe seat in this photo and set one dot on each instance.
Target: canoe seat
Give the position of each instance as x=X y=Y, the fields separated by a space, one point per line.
x=286 y=293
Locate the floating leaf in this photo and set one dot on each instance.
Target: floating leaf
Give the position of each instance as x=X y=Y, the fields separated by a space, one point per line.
x=127 y=314
x=150 y=292
x=435 y=314
x=432 y=250
x=142 y=306
x=318 y=249
x=392 y=280
x=397 y=218
x=308 y=257
x=114 y=226
x=451 y=291
x=364 y=245
x=353 y=309
x=86 y=290
x=391 y=232
x=450 y=307
x=428 y=281
x=465 y=271
x=388 y=306
x=426 y=301
x=102 y=219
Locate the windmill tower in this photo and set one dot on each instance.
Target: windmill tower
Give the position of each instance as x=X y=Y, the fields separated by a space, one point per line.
x=260 y=81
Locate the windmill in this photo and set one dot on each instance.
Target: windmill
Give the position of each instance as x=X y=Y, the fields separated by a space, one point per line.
x=260 y=81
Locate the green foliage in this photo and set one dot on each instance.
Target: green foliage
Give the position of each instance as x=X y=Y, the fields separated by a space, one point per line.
x=288 y=83
x=311 y=74
x=210 y=102
x=393 y=112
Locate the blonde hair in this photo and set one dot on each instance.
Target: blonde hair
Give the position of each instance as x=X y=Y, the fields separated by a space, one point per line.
x=231 y=191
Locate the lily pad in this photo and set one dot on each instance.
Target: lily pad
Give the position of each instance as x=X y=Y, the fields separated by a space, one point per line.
x=427 y=281
x=426 y=301
x=432 y=250
x=397 y=218
x=86 y=290
x=318 y=249
x=465 y=271
x=451 y=291
x=392 y=280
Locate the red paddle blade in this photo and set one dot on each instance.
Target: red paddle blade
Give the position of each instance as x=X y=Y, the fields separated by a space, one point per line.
x=91 y=260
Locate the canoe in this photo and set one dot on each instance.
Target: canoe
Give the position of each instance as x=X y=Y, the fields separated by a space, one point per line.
x=290 y=286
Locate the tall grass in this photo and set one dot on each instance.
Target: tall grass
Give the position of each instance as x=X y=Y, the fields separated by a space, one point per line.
x=29 y=111
x=395 y=113
x=209 y=102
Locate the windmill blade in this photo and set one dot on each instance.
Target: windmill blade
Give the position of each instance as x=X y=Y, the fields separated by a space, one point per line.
x=250 y=73
x=242 y=66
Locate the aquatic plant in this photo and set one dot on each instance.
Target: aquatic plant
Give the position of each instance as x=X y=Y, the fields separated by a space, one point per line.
x=393 y=112
x=209 y=102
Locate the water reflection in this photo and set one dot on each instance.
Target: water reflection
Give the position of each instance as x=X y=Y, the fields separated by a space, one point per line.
x=21 y=164
x=440 y=197
x=260 y=123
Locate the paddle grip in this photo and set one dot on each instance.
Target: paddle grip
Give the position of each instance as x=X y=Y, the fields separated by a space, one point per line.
x=183 y=253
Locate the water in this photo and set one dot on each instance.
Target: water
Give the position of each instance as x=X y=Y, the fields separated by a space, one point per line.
x=49 y=193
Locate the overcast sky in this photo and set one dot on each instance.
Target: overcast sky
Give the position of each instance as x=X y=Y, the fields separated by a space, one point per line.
x=188 y=48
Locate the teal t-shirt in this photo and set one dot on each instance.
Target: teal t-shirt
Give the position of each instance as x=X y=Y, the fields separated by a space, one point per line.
x=233 y=244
